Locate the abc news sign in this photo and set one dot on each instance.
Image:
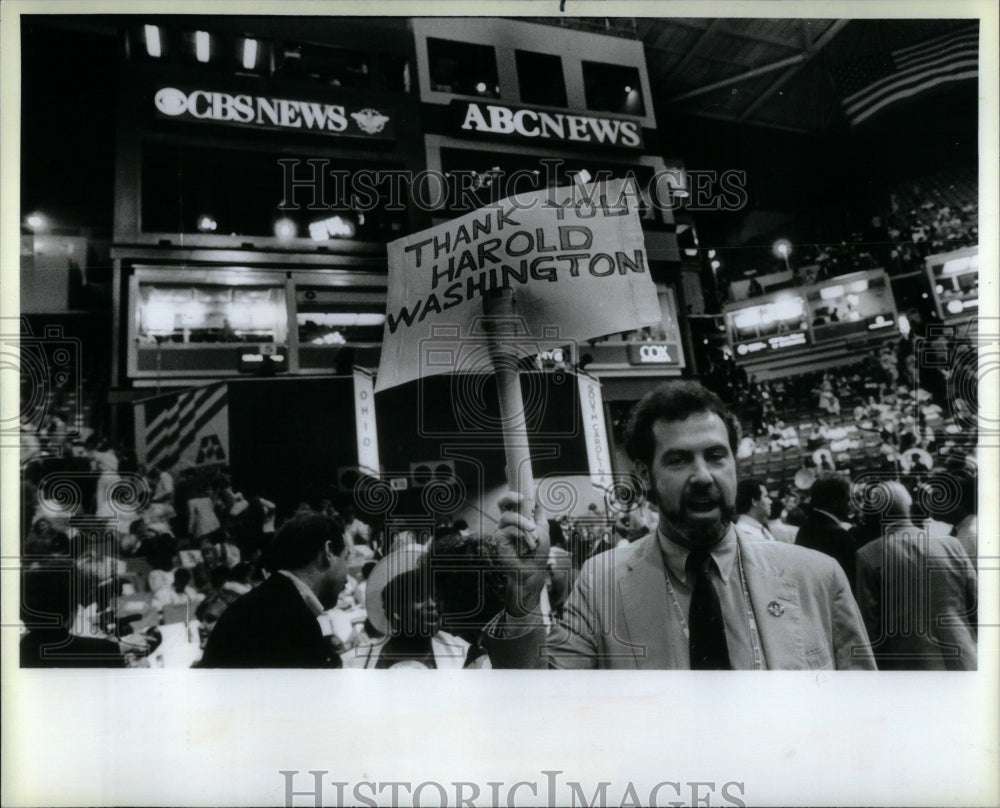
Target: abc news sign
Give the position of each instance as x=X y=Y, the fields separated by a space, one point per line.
x=524 y=123
x=265 y=112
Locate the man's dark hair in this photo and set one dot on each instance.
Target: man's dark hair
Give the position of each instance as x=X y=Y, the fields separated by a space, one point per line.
x=225 y=597
x=673 y=401
x=832 y=493
x=300 y=539
x=182 y=577
x=968 y=493
x=746 y=492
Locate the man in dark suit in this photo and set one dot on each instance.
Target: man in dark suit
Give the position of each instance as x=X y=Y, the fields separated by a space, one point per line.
x=691 y=594
x=275 y=625
x=826 y=527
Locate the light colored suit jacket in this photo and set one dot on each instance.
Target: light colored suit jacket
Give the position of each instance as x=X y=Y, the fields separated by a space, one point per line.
x=917 y=594
x=614 y=618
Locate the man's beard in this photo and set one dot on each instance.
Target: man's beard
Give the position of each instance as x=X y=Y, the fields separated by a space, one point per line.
x=693 y=523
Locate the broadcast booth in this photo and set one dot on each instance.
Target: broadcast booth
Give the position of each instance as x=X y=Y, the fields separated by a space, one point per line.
x=810 y=327
x=512 y=105
x=954 y=281
x=239 y=251
x=223 y=322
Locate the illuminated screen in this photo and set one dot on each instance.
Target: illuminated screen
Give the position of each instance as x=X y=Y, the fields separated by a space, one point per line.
x=201 y=313
x=851 y=305
x=956 y=285
x=776 y=324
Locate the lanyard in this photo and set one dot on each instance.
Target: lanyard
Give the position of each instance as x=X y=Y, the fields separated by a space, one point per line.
x=758 y=653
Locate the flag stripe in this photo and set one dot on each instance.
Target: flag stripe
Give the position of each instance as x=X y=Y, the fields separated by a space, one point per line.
x=175 y=427
x=930 y=43
x=953 y=51
x=164 y=433
x=202 y=416
x=908 y=71
x=914 y=82
x=971 y=74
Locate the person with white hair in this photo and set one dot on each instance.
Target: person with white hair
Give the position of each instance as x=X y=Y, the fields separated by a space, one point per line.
x=916 y=590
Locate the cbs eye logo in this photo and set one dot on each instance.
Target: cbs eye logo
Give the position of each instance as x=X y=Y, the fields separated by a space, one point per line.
x=171 y=101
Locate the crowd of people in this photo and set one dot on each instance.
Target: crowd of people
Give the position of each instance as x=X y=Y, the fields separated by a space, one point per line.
x=322 y=587
x=933 y=215
x=854 y=461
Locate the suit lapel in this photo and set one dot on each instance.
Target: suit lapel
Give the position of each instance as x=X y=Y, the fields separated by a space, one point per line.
x=777 y=609
x=643 y=593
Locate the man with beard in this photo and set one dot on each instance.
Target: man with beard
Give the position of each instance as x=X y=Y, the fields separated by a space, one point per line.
x=275 y=625
x=690 y=595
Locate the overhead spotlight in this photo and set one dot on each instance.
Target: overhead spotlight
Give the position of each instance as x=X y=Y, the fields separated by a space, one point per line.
x=202 y=45
x=249 y=54
x=782 y=248
x=628 y=88
x=481 y=87
x=36 y=221
x=151 y=33
x=711 y=253
x=716 y=264
x=206 y=224
x=285 y=229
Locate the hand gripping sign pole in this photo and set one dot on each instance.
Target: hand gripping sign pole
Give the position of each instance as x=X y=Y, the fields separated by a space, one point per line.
x=501 y=324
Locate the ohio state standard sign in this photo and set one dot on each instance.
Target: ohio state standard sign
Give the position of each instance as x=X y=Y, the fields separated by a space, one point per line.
x=525 y=123
x=346 y=119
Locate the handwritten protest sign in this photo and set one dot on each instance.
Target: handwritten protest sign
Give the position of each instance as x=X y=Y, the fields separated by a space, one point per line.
x=575 y=258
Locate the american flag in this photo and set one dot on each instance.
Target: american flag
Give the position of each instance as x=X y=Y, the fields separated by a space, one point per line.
x=192 y=426
x=871 y=84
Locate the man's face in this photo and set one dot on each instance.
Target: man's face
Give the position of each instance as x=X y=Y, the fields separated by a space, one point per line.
x=209 y=554
x=334 y=578
x=209 y=619
x=762 y=507
x=692 y=477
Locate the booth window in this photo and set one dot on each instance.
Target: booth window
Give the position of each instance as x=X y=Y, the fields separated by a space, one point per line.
x=613 y=88
x=540 y=78
x=230 y=192
x=394 y=73
x=188 y=313
x=463 y=67
x=485 y=177
x=335 y=67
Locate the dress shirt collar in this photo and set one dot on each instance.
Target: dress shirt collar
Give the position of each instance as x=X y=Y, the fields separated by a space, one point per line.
x=307 y=594
x=724 y=554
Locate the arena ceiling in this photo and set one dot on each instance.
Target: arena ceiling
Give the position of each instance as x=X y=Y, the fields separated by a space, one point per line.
x=776 y=73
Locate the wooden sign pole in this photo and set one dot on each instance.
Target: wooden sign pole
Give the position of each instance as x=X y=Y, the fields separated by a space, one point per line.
x=501 y=325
